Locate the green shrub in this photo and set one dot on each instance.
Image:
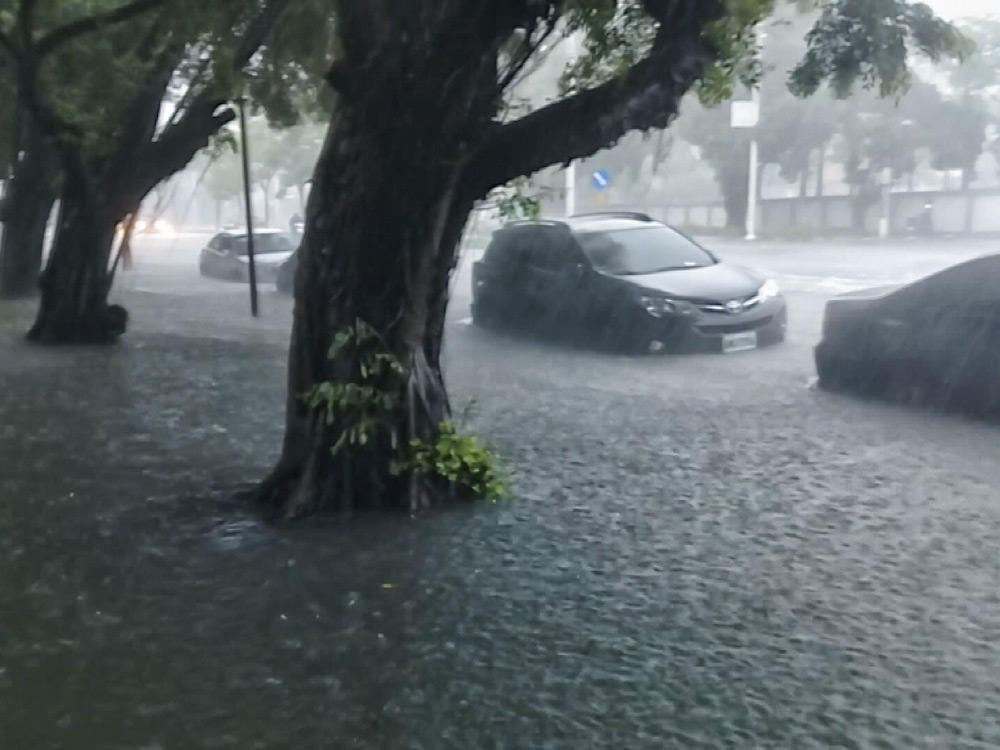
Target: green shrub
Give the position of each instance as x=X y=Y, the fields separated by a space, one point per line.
x=357 y=411
x=462 y=461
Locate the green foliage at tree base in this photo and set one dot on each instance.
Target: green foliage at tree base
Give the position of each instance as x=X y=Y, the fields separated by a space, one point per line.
x=363 y=407
x=359 y=409
x=462 y=461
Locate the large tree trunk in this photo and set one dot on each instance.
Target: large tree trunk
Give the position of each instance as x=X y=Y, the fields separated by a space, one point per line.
x=25 y=213
x=76 y=279
x=382 y=228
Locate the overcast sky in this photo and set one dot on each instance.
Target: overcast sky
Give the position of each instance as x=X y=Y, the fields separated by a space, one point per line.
x=952 y=9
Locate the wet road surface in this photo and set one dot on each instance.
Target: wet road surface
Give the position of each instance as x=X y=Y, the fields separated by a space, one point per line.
x=702 y=551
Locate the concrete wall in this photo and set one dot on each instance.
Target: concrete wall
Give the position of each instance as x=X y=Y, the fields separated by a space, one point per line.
x=833 y=213
x=709 y=216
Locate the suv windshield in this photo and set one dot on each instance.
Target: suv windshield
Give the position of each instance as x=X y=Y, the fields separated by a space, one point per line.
x=264 y=243
x=632 y=252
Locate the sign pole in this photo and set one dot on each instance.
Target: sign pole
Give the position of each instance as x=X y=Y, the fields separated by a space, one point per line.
x=752 y=193
x=571 y=189
x=248 y=204
x=752 y=184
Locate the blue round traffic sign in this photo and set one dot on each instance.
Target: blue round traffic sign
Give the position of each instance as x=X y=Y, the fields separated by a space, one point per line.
x=600 y=179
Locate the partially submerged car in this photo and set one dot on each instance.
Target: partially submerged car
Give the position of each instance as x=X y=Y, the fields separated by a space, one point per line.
x=935 y=341
x=227 y=255
x=622 y=280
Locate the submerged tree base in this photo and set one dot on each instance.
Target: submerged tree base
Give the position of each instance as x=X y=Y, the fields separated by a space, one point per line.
x=293 y=493
x=105 y=326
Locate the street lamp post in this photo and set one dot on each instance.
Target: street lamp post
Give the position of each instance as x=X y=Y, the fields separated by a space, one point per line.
x=248 y=204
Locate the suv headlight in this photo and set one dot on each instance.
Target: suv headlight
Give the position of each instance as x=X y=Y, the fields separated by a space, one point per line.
x=768 y=290
x=660 y=307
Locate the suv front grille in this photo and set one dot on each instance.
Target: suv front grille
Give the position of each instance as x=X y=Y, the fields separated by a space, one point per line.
x=720 y=307
x=748 y=325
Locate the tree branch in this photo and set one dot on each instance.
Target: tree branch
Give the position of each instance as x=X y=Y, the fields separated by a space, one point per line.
x=647 y=96
x=258 y=30
x=531 y=47
x=51 y=41
x=6 y=43
x=179 y=143
x=202 y=118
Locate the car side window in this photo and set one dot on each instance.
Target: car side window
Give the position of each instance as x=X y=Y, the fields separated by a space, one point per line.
x=225 y=244
x=541 y=253
x=503 y=251
x=551 y=251
x=514 y=253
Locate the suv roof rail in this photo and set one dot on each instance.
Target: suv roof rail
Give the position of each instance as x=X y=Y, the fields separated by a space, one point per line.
x=539 y=220
x=637 y=215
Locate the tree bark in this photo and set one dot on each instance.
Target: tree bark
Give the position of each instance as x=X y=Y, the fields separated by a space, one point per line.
x=76 y=279
x=25 y=213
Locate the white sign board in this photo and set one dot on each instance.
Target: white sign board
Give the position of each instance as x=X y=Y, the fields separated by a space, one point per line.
x=745 y=114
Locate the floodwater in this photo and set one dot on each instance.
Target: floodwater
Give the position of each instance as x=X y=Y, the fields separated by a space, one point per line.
x=737 y=563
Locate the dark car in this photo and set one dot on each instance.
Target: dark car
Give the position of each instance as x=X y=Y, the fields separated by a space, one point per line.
x=936 y=341
x=624 y=281
x=226 y=255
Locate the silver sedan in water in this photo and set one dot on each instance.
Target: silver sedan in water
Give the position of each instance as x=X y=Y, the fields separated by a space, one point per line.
x=226 y=255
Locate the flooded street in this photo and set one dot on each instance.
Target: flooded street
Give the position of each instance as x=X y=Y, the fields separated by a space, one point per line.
x=701 y=551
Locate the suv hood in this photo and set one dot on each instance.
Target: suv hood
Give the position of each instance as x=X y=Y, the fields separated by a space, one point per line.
x=717 y=283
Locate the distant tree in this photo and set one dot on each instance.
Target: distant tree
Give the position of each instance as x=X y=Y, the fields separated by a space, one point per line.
x=960 y=129
x=726 y=150
x=790 y=131
x=220 y=173
x=299 y=149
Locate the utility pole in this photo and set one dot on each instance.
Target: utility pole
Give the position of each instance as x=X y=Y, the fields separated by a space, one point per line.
x=248 y=204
